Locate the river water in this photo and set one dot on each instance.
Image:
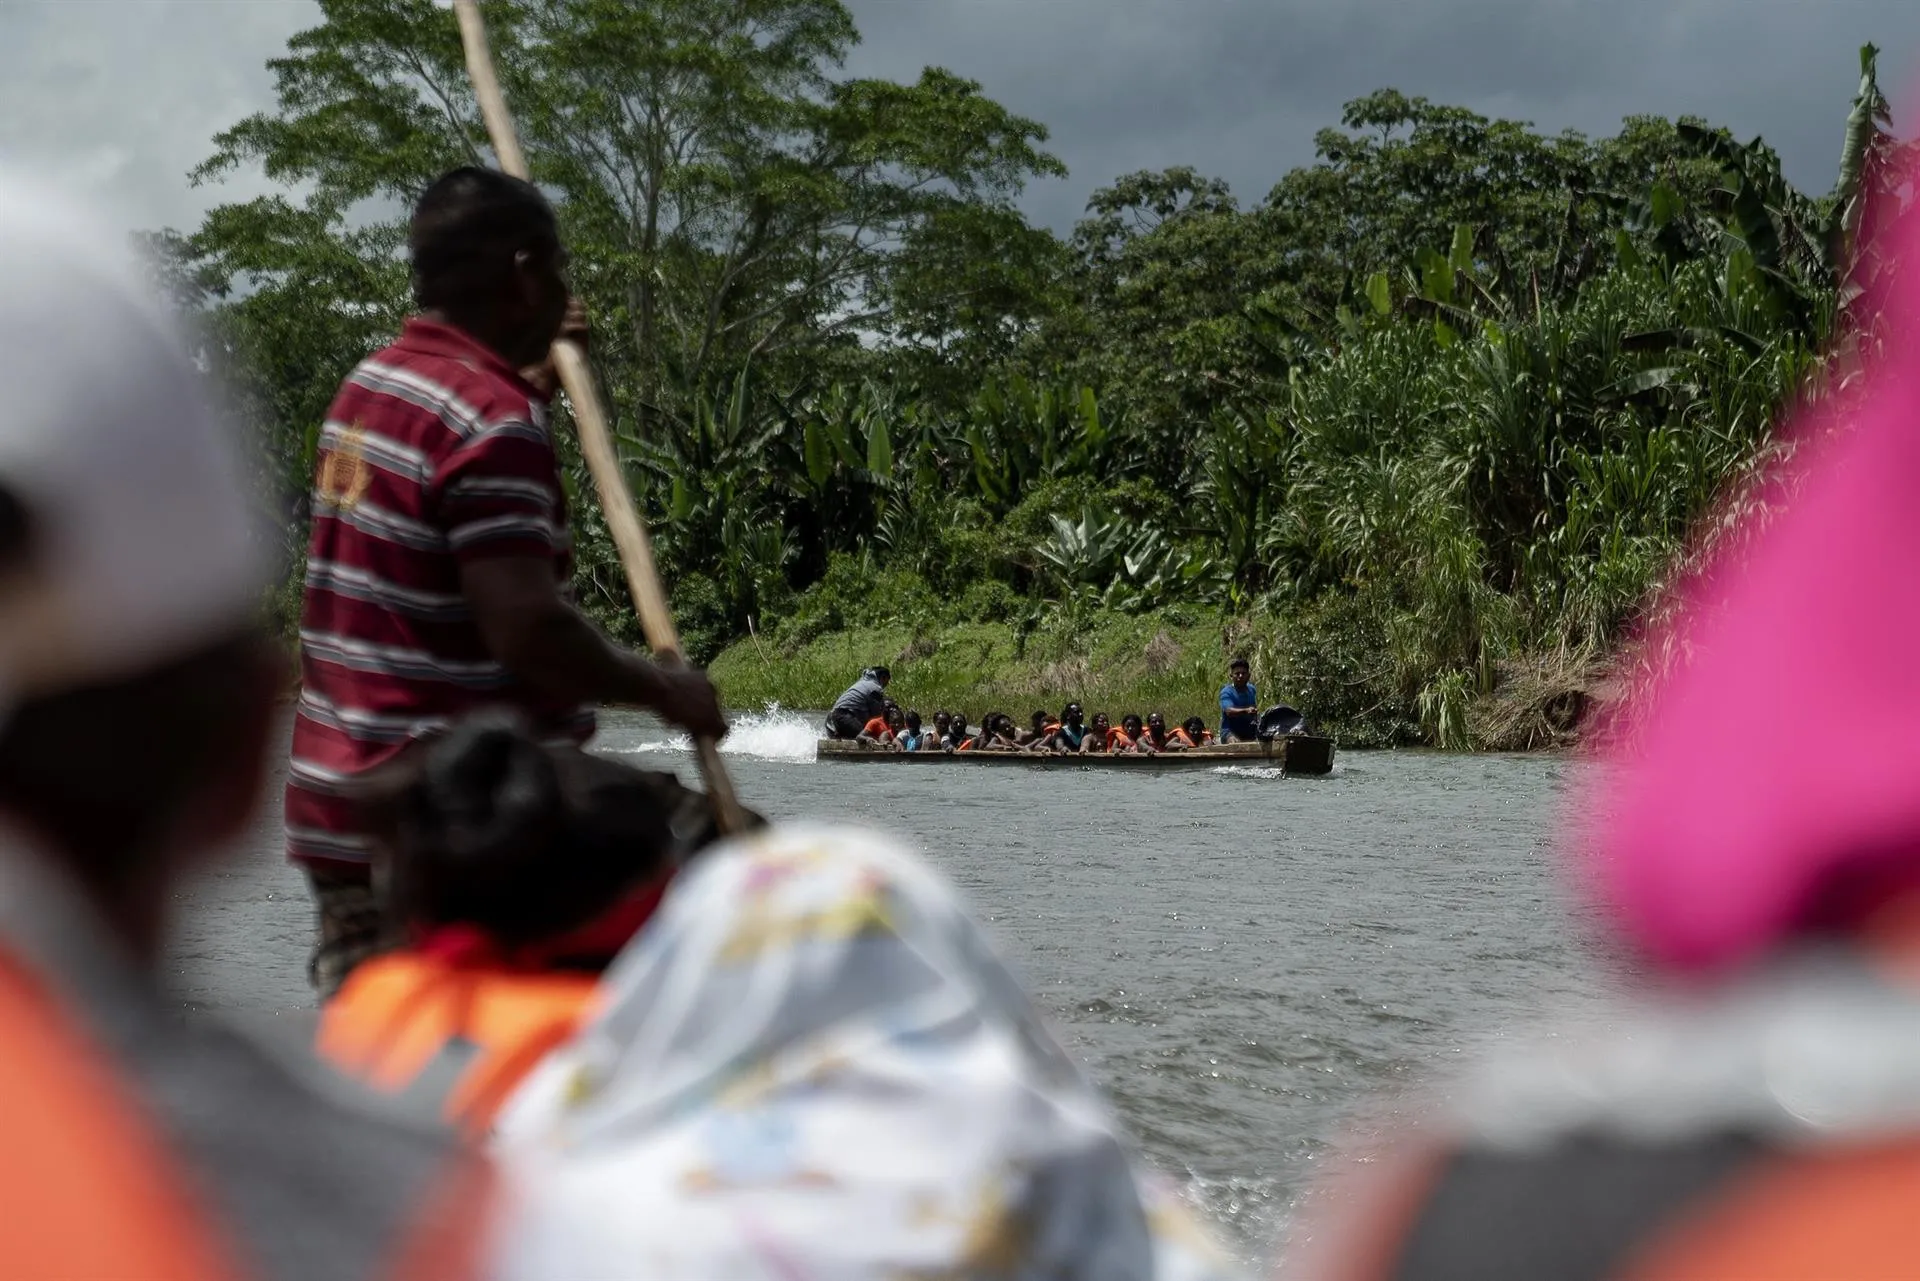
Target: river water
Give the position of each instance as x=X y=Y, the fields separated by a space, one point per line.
x=1240 y=960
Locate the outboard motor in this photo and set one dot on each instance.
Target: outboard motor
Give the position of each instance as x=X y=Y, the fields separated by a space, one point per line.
x=1282 y=721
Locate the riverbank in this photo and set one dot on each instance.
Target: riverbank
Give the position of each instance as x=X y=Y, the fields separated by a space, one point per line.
x=1111 y=664
x=1174 y=662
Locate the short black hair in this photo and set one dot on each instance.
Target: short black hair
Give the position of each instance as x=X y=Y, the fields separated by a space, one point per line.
x=488 y=826
x=468 y=214
x=881 y=673
x=1239 y=660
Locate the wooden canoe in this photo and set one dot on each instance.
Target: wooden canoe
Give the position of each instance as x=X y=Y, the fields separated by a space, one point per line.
x=1296 y=754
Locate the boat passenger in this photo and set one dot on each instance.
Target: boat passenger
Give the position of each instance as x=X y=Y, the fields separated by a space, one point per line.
x=864 y=700
x=814 y=1065
x=1070 y=733
x=1000 y=734
x=140 y=720
x=522 y=869
x=1193 y=732
x=879 y=732
x=1135 y=732
x=1042 y=739
x=1157 y=738
x=1017 y=738
x=1098 y=736
x=1239 y=705
x=911 y=737
x=942 y=722
x=958 y=740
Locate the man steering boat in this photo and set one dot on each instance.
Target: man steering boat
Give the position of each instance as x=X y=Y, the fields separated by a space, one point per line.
x=865 y=699
x=438 y=575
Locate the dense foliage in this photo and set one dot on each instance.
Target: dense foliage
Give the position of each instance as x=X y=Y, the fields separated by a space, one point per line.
x=1428 y=421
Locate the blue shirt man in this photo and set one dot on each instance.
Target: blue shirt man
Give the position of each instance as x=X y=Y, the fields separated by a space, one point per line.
x=1239 y=705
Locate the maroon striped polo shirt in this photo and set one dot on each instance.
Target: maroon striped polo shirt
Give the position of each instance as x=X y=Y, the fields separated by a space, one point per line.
x=434 y=453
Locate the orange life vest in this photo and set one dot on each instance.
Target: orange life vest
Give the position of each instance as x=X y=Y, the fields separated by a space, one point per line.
x=91 y=1190
x=452 y=1037
x=876 y=728
x=88 y=1187
x=1118 y=740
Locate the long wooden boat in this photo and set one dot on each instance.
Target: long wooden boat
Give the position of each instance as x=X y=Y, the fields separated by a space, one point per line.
x=1293 y=753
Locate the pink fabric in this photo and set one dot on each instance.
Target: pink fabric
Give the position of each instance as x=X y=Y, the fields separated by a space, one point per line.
x=1775 y=785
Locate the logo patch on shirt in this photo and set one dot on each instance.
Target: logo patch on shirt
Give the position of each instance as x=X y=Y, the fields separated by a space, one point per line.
x=344 y=472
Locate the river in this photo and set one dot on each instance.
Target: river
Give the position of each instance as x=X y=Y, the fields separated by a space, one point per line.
x=1240 y=960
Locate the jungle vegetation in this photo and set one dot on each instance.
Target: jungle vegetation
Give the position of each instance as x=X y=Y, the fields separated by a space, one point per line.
x=1423 y=426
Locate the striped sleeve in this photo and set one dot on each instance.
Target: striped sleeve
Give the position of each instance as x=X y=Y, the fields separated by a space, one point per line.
x=499 y=494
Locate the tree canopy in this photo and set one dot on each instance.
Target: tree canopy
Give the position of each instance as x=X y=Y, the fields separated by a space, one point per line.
x=1442 y=402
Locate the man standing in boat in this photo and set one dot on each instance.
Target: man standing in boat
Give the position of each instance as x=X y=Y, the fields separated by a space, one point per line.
x=439 y=572
x=1239 y=705
x=865 y=700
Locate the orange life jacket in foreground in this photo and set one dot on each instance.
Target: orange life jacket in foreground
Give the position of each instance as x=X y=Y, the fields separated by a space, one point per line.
x=92 y=1191
x=453 y=1037
x=88 y=1187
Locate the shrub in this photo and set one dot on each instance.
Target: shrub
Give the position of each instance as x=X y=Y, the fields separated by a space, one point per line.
x=854 y=592
x=1335 y=660
x=991 y=602
x=701 y=611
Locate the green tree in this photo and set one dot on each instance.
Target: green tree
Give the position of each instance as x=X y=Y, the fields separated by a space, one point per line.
x=728 y=199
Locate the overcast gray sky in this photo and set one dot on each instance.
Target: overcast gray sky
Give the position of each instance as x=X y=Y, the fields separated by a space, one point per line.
x=119 y=97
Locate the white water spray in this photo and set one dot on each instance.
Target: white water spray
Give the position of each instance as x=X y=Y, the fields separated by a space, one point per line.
x=774 y=734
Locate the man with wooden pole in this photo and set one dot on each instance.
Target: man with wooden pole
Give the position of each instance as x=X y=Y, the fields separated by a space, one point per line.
x=438 y=569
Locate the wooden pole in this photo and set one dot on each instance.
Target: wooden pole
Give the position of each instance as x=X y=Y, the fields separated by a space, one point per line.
x=596 y=439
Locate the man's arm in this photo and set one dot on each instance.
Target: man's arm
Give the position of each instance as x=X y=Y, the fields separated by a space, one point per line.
x=552 y=646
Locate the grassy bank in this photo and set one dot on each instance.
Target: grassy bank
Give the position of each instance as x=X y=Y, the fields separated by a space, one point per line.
x=1336 y=668
x=1112 y=663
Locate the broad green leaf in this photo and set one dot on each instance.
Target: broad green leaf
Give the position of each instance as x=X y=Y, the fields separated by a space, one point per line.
x=681 y=505
x=1380 y=294
x=1436 y=277
x=819 y=454
x=1461 y=258
x=1093 y=430
x=1627 y=252
x=879 y=448
x=1665 y=205
x=842 y=440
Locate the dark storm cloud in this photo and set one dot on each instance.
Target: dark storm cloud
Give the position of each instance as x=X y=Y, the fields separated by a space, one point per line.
x=120 y=97
x=1238 y=88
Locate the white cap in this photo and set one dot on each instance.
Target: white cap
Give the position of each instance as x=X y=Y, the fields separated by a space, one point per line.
x=143 y=546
